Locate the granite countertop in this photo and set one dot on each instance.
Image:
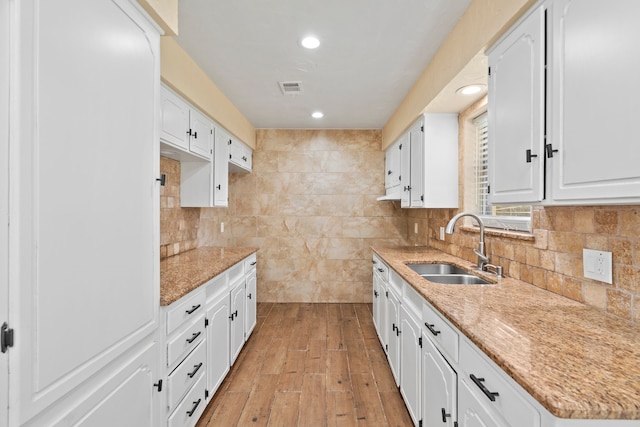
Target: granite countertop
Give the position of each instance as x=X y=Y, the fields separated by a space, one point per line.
x=576 y=361
x=182 y=273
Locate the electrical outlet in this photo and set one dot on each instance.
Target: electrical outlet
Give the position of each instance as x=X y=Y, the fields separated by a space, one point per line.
x=415 y=228
x=441 y=233
x=597 y=265
x=222 y=227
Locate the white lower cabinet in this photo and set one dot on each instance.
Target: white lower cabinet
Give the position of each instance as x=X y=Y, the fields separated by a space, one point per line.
x=205 y=331
x=410 y=369
x=393 y=333
x=473 y=412
x=439 y=388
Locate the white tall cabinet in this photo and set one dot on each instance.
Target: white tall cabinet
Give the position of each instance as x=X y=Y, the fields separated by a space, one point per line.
x=83 y=202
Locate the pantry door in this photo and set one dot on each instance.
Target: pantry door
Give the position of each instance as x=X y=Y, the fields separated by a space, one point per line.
x=4 y=202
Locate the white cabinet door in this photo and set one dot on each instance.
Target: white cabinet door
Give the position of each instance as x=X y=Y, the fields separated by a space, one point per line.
x=439 y=385
x=472 y=412
x=251 y=306
x=597 y=159
x=85 y=249
x=201 y=131
x=516 y=114
x=417 y=161
x=405 y=169
x=393 y=328
x=392 y=167
x=174 y=119
x=221 y=168
x=378 y=296
x=410 y=361
x=237 y=316
x=4 y=202
x=217 y=343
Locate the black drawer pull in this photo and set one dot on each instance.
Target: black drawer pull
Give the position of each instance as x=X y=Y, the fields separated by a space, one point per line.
x=249 y=296
x=431 y=328
x=375 y=293
x=193 y=337
x=381 y=270
x=478 y=381
x=193 y=409
x=253 y=263
x=445 y=415
x=193 y=308
x=197 y=368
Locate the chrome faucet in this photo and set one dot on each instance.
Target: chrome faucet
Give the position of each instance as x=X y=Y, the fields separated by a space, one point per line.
x=483 y=259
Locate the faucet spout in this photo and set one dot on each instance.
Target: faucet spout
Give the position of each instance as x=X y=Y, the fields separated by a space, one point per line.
x=480 y=252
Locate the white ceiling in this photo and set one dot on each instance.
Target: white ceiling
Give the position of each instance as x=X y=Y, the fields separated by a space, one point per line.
x=371 y=53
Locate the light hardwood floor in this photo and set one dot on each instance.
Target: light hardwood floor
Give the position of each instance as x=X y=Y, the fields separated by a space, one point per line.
x=309 y=365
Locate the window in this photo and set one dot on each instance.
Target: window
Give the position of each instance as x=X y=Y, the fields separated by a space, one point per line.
x=496 y=216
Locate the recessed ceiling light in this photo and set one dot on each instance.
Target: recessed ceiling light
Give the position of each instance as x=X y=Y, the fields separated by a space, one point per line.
x=310 y=42
x=471 y=89
x=317 y=115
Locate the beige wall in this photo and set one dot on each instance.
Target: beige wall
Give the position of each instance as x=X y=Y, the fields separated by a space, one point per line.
x=182 y=74
x=164 y=12
x=481 y=24
x=310 y=206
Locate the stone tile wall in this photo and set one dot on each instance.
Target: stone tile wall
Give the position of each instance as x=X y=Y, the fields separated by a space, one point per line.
x=178 y=226
x=310 y=205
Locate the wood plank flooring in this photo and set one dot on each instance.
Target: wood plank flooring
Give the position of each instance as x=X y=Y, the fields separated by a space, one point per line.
x=309 y=365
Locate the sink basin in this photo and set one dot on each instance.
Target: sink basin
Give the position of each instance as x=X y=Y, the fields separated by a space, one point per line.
x=422 y=269
x=456 y=279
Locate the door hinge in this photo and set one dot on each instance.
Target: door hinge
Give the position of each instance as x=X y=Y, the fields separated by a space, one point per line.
x=206 y=322
x=206 y=393
x=386 y=293
x=400 y=148
x=422 y=198
x=421 y=128
x=488 y=189
x=420 y=342
x=489 y=71
x=386 y=347
x=6 y=337
x=158 y=385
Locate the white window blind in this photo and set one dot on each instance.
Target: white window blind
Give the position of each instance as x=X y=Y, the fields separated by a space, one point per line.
x=495 y=216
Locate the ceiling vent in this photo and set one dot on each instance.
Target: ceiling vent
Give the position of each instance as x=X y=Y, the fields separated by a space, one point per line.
x=290 y=88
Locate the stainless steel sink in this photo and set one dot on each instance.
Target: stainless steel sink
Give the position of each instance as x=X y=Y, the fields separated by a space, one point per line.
x=456 y=279
x=423 y=269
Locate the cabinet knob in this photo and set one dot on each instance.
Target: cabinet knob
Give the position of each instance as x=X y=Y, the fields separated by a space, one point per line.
x=388 y=172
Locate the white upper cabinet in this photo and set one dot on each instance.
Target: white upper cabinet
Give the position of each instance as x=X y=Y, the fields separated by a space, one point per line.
x=587 y=156
x=594 y=61
x=240 y=156
x=430 y=167
x=392 y=167
x=516 y=113
x=185 y=128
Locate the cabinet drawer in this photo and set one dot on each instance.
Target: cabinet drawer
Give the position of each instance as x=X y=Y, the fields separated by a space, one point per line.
x=235 y=273
x=380 y=268
x=250 y=263
x=186 y=308
x=191 y=407
x=186 y=374
x=185 y=341
x=436 y=328
x=216 y=287
x=395 y=283
x=508 y=401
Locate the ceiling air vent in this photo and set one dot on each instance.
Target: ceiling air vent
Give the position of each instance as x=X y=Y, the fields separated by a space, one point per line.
x=290 y=88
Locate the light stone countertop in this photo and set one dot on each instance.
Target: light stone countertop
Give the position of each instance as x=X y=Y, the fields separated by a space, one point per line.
x=576 y=361
x=182 y=273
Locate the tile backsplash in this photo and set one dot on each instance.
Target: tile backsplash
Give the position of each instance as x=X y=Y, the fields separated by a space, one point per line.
x=178 y=226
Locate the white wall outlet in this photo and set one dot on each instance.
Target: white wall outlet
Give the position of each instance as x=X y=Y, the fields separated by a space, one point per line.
x=222 y=227
x=441 y=233
x=598 y=265
x=415 y=228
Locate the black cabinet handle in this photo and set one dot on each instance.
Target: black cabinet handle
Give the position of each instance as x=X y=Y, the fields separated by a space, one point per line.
x=549 y=149
x=388 y=172
x=394 y=327
x=218 y=187
x=193 y=409
x=197 y=368
x=193 y=337
x=193 y=308
x=381 y=270
x=249 y=296
x=375 y=293
x=431 y=328
x=445 y=416
x=189 y=132
x=195 y=135
x=253 y=263
x=530 y=156
x=478 y=381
